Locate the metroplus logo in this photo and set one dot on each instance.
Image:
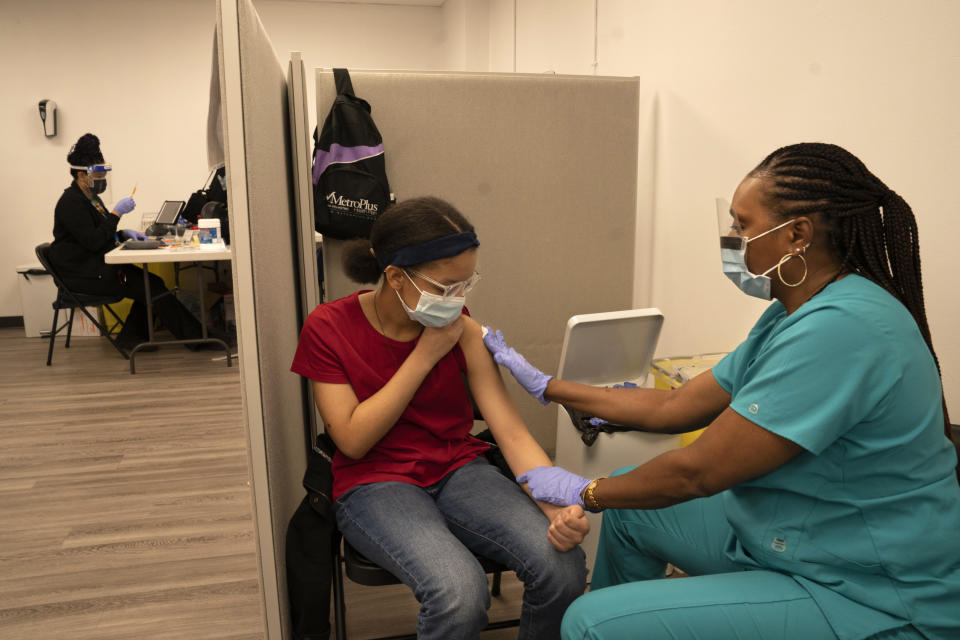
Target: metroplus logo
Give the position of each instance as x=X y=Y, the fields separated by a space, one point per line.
x=340 y=201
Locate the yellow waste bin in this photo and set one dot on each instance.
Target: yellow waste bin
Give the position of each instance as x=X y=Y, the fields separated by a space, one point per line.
x=671 y=373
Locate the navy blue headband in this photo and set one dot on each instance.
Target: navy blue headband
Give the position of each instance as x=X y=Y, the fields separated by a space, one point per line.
x=442 y=247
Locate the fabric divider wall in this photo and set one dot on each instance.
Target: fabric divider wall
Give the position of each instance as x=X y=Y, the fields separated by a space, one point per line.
x=300 y=148
x=266 y=283
x=544 y=166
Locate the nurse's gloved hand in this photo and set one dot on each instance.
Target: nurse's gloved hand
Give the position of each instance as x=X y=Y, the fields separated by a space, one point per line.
x=529 y=377
x=133 y=234
x=555 y=485
x=124 y=205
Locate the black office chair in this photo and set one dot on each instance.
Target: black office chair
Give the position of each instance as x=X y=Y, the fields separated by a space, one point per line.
x=67 y=299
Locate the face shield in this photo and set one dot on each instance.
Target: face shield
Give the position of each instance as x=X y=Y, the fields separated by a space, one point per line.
x=95 y=176
x=731 y=233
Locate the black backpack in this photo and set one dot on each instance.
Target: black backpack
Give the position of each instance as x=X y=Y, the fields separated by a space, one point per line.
x=350 y=188
x=210 y=202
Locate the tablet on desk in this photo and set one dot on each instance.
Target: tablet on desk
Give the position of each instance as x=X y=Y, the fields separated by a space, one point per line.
x=170 y=211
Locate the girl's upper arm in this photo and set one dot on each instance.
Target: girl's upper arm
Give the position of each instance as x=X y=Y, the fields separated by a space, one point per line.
x=336 y=403
x=486 y=385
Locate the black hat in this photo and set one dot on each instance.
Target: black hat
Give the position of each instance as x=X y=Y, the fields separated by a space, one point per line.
x=86 y=151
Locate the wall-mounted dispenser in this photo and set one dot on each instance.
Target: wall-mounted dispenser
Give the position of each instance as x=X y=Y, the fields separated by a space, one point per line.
x=48 y=115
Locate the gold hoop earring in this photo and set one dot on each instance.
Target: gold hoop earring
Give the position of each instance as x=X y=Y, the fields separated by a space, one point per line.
x=785 y=259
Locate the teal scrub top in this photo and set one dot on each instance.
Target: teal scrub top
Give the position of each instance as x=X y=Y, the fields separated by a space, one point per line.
x=867 y=518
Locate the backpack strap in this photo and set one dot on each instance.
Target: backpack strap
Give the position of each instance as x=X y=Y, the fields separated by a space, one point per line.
x=342 y=79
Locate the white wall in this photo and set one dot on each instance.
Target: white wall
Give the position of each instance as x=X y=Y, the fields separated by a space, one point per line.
x=137 y=74
x=466 y=38
x=725 y=83
x=358 y=36
x=134 y=73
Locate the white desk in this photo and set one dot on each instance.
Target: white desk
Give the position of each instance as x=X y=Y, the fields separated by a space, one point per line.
x=189 y=253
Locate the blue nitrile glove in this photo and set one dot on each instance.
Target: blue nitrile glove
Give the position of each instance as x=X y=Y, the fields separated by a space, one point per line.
x=596 y=422
x=124 y=205
x=555 y=485
x=529 y=377
x=133 y=234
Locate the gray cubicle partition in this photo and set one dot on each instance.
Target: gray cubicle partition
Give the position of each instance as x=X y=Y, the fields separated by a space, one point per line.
x=260 y=187
x=545 y=166
x=300 y=150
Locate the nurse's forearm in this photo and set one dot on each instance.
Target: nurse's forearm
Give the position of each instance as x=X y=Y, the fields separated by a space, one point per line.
x=668 y=479
x=635 y=407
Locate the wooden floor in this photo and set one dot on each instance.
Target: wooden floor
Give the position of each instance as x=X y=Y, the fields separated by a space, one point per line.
x=125 y=503
x=125 y=499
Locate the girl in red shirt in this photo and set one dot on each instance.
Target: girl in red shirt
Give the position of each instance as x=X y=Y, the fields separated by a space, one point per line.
x=412 y=491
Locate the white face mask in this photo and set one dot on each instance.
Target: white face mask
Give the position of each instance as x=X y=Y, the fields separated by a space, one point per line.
x=433 y=310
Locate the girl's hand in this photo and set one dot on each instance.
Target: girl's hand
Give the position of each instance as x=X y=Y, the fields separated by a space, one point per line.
x=436 y=342
x=568 y=528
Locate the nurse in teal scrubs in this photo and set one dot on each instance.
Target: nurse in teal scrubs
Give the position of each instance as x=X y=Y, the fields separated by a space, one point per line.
x=823 y=500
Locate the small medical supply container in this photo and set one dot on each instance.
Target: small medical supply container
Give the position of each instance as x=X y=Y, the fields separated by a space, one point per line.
x=209 y=231
x=672 y=373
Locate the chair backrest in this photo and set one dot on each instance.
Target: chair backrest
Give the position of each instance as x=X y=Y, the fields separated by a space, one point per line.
x=43 y=255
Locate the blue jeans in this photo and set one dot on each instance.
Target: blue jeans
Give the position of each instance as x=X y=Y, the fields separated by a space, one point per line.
x=427 y=537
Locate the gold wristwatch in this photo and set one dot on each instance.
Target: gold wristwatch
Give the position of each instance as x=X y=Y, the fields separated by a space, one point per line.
x=589 y=497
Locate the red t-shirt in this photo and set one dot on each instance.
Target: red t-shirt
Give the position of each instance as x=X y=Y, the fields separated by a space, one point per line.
x=432 y=437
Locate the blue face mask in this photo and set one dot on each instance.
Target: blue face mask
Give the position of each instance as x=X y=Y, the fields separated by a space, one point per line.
x=433 y=310
x=733 y=253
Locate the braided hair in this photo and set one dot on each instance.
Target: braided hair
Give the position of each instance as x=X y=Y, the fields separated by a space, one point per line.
x=869 y=227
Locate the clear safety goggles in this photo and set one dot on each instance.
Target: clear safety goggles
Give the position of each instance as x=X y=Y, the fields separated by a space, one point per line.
x=98 y=170
x=451 y=290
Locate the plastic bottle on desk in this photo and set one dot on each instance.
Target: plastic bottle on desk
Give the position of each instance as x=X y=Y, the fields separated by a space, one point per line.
x=209 y=232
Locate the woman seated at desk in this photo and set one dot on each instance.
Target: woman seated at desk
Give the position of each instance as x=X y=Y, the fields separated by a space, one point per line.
x=84 y=230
